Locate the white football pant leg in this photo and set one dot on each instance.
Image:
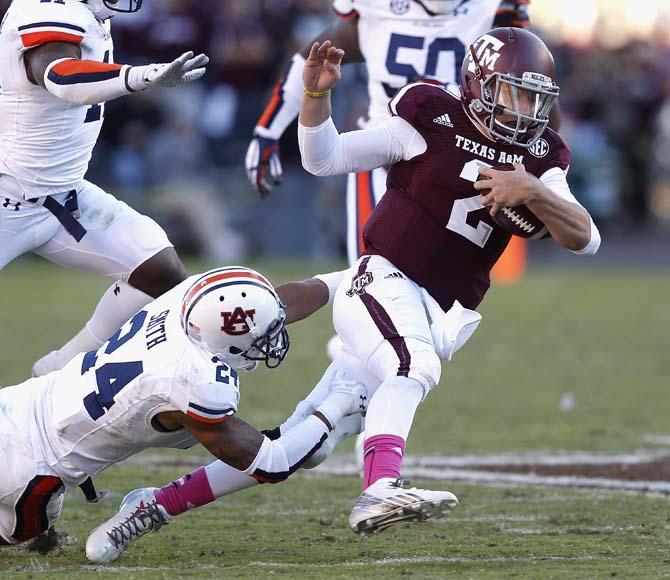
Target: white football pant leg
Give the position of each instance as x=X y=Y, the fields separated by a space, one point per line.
x=118 y=238
x=23 y=506
x=391 y=335
x=23 y=225
x=379 y=314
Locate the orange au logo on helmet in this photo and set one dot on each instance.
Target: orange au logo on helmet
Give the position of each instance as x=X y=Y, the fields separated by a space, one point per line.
x=235 y=322
x=486 y=49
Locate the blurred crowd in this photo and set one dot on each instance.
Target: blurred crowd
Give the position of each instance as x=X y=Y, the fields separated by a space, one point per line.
x=179 y=153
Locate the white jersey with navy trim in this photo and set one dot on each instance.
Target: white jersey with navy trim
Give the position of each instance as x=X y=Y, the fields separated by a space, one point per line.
x=401 y=42
x=46 y=143
x=98 y=410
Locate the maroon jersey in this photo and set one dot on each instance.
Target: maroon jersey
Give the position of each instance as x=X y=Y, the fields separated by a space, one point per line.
x=431 y=223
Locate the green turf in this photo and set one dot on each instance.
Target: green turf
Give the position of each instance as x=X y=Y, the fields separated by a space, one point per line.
x=601 y=336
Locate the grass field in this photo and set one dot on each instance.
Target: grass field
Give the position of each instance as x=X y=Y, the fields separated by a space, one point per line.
x=601 y=336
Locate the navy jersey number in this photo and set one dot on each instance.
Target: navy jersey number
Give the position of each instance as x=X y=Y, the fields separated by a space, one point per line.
x=112 y=377
x=224 y=373
x=439 y=45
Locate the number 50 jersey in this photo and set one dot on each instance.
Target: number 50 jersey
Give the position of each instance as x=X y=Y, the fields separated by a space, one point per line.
x=100 y=408
x=45 y=143
x=402 y=42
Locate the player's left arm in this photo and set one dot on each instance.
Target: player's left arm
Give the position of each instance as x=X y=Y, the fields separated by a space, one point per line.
x=549 y=198
x=58 y=68
x=243 y=447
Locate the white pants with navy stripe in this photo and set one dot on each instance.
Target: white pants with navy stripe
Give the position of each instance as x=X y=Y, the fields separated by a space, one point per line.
x=379 y=314
x=118 y=239
x=364 y=190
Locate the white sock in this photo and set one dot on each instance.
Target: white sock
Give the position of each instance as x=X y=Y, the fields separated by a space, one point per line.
x=391 y=410
x=119 y=302
x=224 y=479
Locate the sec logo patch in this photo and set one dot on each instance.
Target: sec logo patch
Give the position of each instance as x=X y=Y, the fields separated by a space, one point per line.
x=540 y=148
x=400 y=6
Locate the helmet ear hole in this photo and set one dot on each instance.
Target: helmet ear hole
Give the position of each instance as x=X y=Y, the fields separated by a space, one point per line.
x=234 y=350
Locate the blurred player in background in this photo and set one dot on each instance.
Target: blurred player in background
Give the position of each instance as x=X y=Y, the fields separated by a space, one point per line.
x=56 y=71
x=400 y=41
x=167 y=378
x=433 y=230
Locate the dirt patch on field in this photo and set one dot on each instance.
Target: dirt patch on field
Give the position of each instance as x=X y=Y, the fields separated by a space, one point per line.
x=656 y=470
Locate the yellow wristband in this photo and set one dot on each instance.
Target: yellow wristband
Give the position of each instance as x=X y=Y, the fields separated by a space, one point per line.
x=316 y=94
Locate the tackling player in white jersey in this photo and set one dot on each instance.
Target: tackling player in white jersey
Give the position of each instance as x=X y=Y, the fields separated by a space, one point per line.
x=400 y=41
x=56 y=72
x=166 y=378
x=449 y=330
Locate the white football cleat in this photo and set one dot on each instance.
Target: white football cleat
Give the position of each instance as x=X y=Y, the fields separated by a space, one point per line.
x=49 y=363
x=387 y=502
x=139 y=514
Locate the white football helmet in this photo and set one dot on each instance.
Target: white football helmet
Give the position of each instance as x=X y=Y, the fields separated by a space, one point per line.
x=441 y=6
x=235 y=314
x=104 y=9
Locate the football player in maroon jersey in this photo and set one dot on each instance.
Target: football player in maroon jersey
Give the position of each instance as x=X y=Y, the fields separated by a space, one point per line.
x=433 y=229
x=399 y=42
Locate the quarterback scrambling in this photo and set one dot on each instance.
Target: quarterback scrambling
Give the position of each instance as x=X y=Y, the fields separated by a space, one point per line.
x=433 y=232
x=57 y=71
x=166 y=378
x=400 y=41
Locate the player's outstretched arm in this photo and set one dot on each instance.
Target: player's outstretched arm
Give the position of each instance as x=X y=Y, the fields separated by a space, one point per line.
x=241 y=446
x=58 y=67
x=304 y=298
x=548 y=198
x=262 y=162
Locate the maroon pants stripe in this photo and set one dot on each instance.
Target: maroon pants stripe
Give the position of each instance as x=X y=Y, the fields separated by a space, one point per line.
x=385 y=325
x=31 y=509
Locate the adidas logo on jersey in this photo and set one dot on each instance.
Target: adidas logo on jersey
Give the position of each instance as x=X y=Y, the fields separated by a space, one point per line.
x=443 y=120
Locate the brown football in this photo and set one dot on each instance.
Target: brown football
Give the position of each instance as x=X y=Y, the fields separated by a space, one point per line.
x=519 y=220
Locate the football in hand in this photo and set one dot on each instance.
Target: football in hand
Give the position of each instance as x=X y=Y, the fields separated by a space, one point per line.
x=519 y=220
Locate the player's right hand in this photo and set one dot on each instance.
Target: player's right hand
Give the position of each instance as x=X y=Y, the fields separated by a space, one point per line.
x=322 y=67
x=185 y=69
x=263 y=158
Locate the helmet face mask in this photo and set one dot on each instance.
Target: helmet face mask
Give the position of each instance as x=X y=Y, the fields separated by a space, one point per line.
x=507 y=86
x=270 y=347
x=104 y=9
x=517 y=108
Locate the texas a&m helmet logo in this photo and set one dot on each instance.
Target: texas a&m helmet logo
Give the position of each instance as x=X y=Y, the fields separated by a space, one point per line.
x=235 y=322
x=487 y=52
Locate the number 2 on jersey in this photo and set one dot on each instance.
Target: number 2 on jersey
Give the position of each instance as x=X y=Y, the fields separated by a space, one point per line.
x=112 y=377
x=480 y=233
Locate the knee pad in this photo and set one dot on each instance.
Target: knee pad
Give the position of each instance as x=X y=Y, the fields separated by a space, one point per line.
x=424 y=364
x=426 y=368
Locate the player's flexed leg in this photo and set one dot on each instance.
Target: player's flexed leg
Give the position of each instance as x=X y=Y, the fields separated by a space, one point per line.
x=57 y=71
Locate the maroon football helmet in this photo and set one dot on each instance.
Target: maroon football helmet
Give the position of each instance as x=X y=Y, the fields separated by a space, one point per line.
x=507 y=85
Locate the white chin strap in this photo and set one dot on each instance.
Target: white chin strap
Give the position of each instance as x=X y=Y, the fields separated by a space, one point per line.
x=441 y=6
